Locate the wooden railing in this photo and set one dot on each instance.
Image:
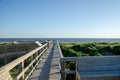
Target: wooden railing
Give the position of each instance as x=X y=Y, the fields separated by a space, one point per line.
x=104 y=64
x=21 y=68
x=62 y=63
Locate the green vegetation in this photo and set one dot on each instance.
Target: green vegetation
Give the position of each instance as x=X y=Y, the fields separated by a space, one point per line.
x=14 y=50
x=12 y=47
x=90 y=49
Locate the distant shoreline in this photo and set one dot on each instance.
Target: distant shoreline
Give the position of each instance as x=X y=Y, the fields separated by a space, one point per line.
x=63 y=40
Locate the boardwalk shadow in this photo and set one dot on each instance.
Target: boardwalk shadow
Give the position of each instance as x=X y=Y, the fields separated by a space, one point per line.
x=44 y=75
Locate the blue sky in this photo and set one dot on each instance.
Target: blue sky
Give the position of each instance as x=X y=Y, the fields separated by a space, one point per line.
x=59 y=18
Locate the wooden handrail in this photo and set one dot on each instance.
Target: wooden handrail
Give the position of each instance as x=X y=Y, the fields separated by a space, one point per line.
x=5 y=70
x=59 y=50
x=77 y=75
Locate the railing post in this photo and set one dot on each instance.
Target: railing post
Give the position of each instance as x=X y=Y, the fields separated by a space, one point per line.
x=5 y=56
x=32 y=60
x=45 y=48
x=76 y=77
x=21 y=68
x=63 y=66
x=48 y=45
x=36 y=56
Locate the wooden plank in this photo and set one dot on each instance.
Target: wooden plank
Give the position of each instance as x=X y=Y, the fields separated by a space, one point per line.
x=106 y=66
x=92 y=61
x=99 y=68
x=68 y=72
x=99 y=74
x=99 y=64
x=64 y=59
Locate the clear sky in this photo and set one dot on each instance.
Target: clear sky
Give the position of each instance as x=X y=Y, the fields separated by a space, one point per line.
x=59 y=18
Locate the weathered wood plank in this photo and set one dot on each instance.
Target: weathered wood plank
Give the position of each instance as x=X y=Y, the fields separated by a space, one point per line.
x=102 y=68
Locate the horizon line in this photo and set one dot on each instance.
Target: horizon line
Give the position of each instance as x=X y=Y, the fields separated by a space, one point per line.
x=59 y=37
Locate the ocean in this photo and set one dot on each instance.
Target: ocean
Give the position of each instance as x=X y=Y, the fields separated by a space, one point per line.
x=64 y=40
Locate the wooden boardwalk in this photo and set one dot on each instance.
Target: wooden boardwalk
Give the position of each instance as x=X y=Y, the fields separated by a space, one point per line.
x=48 y=68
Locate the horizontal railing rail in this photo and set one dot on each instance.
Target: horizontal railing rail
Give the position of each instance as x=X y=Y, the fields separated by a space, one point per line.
x=35 y=57
x=59 y=50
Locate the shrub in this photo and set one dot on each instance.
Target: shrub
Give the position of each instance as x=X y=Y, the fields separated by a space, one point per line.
x=116 y=50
